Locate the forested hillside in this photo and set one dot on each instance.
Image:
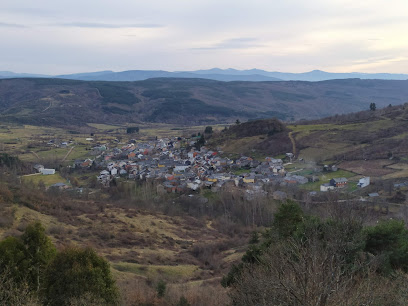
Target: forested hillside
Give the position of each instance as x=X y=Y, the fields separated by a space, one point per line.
x=59 y=102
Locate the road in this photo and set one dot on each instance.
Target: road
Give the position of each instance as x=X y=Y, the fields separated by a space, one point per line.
x=293 y=143
x=66 y=155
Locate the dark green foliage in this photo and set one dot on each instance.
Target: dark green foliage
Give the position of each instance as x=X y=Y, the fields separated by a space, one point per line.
x=237 y=122
x=288 y=219
x=288 y=96
x=373 y=107
x=39 y=251
x=115 y=93
x=183 y=302
x=133 y=129
x=200 y=142
x=27 y=257
x=166 y=93
x=389 y=239
x=188 y=107
x=161 y=288
x=233 y=274
x=254 y=238
x=75 y=273
x=252 y=254
x=45 y=82
x=114 y=110
x=208 y=130
x=257 y=127
x=13 y=257
x=10 y=162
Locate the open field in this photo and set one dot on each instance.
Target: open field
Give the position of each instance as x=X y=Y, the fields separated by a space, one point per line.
x=48 y=180
x=401 y=171
x=374 y=168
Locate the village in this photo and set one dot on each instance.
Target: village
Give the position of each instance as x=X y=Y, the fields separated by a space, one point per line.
x=179 y=167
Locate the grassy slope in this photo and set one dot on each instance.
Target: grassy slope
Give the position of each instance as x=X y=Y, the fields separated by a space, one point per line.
x=162 y=250
x=360 y=143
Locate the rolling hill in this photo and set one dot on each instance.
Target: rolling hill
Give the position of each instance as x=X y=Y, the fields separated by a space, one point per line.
x=373 y=139
x=60 y=102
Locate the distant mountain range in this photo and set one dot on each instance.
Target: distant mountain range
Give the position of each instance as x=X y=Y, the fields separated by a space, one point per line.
x=227 y=75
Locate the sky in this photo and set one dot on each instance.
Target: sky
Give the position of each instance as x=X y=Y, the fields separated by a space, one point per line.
x=60 y=37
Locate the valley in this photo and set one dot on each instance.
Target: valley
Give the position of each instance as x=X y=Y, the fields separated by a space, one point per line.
x=156 y=219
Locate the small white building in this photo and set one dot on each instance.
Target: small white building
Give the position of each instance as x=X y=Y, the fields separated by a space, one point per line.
x=114 y=171
x=48 y=171
x=363 y=182
x=326 y=187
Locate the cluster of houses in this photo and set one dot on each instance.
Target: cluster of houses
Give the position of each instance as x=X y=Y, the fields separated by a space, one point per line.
x=178 y=169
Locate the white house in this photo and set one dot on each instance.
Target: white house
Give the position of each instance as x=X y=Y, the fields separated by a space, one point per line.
x=326 y=187
x=48 y=171
x=114 y=171
x=363 y=182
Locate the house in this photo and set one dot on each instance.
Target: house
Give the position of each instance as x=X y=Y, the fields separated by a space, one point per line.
x=48 y=171
x=38 y=168
x=212 y=179
x=86 y=163
x=296 y=179
x=249 y=179
x=363 y=182
x=326 y=187
x=340 y=182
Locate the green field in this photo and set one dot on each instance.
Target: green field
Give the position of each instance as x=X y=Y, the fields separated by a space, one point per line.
x=172 y=273
x=48 y=180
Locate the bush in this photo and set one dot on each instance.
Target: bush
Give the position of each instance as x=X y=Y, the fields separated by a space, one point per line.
x=76 y=273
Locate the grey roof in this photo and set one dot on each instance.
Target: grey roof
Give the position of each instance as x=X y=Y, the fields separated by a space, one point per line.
x=340 y=180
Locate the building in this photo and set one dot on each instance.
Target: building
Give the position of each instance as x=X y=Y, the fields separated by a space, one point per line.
x=326 y=187
x=363 y=182
x=340 y=182
x=39 y=168
x=48 y=171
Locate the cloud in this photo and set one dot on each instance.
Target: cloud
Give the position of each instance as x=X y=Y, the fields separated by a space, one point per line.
x=107 y=25
x=233 y=43
x=11 y=25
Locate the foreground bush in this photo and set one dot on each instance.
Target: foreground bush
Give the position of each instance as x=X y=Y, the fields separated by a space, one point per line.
x=79 y=275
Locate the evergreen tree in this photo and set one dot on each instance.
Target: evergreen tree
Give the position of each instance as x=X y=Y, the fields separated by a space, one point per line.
x=77 y=273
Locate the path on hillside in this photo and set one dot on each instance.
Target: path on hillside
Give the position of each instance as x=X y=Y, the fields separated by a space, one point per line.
x=48 y=106
x=35 y=154
x=66 y=155
x=293 y=143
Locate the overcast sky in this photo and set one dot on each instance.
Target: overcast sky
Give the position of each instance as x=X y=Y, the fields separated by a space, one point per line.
x=56 y=37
